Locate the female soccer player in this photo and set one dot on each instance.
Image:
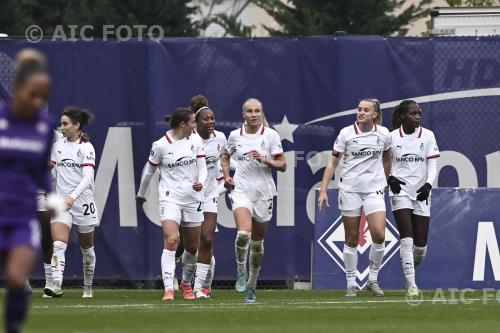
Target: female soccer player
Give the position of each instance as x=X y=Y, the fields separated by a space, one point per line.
x=74 y=163
x=362 y=145
x=25 y=139
x=258 y=151
x=414 y=169
x=183 y=171
x=213 y=143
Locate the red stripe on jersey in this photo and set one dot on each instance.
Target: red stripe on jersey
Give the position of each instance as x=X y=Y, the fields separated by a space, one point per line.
x=420 y=133
x=153 y=164
x=385 y=151
x=88 y=164
x=400 y=132
x=168 y=139
x=336 y=153
x=375 y=127
x=262 y=131
x=433 y=156
x=356 y=129
x=53 y=162
x=200 y=156
x=241 y=130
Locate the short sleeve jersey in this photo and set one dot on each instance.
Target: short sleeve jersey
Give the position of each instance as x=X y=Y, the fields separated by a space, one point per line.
x=253 y=178
x=362 y=168
x=410 y=155
x=178 y=171
x=213 y=147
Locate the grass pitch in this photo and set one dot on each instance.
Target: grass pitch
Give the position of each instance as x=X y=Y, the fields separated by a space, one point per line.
x=275 y=311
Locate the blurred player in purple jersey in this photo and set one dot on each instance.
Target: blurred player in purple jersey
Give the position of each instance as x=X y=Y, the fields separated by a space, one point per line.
x=25 y=138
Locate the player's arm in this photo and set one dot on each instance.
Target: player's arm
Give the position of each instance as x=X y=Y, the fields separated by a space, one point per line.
x=149 y=171
x=201 y=164
x=88 y=165
x=225 y=162
x=387 y=162
x=327 y=177
x=278 y=162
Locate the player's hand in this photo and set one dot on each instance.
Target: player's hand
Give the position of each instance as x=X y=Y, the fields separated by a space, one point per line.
x=229 y=183
x=140 y=200
x=257 y=156
x=322 y=198
x=424 y=192
x=69 y=201
x=197 y=186
x=395 y=184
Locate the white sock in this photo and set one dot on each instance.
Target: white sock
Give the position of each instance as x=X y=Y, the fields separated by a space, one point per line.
x=256 y=258
x=200 y=275
x=188 y=266
x=168 y=268
x=376 y=256
x=210 y=274
x=88 y=265
x=406 y=255
x=241 y=250
x=48 y=274
x=58 y=262
x=419 y=254
x=350 y=255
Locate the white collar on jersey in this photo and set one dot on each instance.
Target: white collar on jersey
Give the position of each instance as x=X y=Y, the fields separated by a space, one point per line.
x=170 y=139
x=194 y=132
x=357 y=130
x=260 y=131
x=417 y=130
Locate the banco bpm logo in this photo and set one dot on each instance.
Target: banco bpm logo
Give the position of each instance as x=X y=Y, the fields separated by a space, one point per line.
x=332 y=241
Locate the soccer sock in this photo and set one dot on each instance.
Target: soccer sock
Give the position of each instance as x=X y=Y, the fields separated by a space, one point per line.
x=188 y=265
x=88 y=265
x=256 y=257
x=351 y=263
x=58 y=262
x=241 y=249
x=200 y=275
x=406 y=255
x=15 y=309
x=376 y=256
x=419 y=254
x=48 y=274
x=210 y=274
x=168 y=268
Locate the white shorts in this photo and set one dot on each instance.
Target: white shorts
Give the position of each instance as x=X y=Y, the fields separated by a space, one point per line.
x=350 y=203
x=210 y=206
x=190 y=215
x=41 y=202
x=261 y=210
x=420 y=208
x=83 y=214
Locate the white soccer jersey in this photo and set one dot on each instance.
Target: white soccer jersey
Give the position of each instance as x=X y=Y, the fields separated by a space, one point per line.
x=213 y=147
x=178 y=171
x=69 y=158
x=410 y=154
x=362 y=168
x=253 y=178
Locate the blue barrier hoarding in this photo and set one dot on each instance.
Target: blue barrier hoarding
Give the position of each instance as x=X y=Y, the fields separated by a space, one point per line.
x=463 y=248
